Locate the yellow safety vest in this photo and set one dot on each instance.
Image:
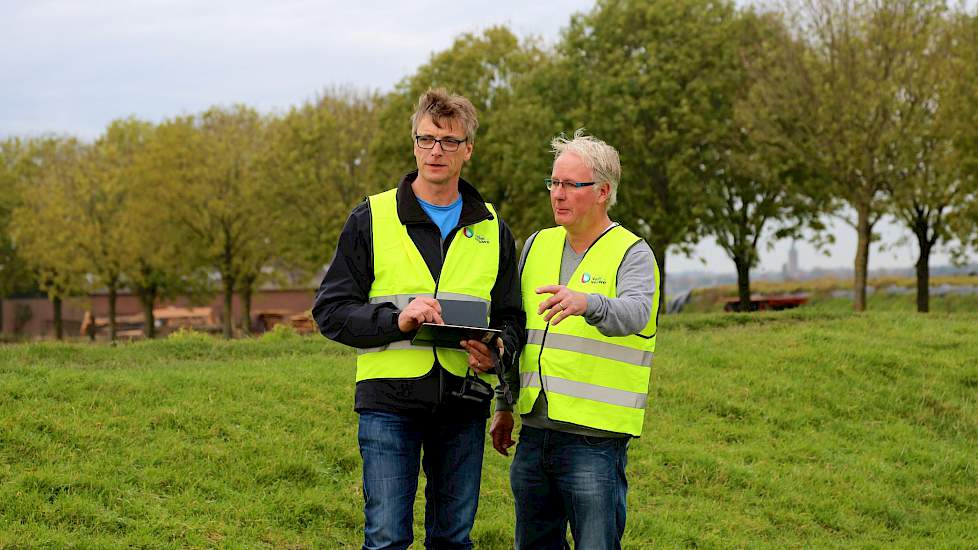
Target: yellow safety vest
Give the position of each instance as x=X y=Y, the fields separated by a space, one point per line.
x=400 y=274
x=590 y=379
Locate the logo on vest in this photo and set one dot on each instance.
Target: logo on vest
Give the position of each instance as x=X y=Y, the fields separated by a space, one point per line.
x=471 y=234
x=587 y=278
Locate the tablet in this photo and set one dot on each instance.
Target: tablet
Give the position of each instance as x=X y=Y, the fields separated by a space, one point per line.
x=449 y=336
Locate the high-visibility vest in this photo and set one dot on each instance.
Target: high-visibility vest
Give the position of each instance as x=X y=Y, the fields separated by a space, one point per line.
x=590 y=379
x=400 y=274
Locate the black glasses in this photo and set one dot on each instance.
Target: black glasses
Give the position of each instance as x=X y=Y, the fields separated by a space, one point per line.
x=449 y=144
x=551 y=183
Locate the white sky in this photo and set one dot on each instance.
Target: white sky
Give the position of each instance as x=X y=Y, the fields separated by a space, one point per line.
x=71 y=66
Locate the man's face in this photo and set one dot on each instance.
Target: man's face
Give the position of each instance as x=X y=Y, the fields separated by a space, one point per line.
x=436 y=165
x=576 y=207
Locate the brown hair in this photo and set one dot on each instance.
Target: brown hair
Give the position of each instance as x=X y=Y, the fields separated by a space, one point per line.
x=444 y=106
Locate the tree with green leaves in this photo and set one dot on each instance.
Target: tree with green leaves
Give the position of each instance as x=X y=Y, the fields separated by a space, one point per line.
x=14 y=273
x=154 y=266
x=652 y=79
x=207 y=169
x=837 y=96
x=931 y=181
x=43 y=225
x=752 y=177
x=96 y=203
x=316 y=168
x=964 y=220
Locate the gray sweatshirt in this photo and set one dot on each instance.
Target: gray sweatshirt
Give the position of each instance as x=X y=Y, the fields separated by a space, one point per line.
x=628 y=313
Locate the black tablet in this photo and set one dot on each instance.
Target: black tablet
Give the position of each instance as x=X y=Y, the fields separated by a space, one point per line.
x=450 y=336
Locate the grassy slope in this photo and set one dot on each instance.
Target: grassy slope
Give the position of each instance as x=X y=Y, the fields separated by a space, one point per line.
x=804 y=429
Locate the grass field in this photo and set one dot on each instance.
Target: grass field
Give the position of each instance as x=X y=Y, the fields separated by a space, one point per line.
x=804 y=429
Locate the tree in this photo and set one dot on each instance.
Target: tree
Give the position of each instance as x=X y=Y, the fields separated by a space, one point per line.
x=209 y=178
x=42 y=225
x=837 y=97
x=651 y=78
x=14 y=273
x=316 y=170
x=929 y=184
x=964 y=106
x=97 y=202
x=752 y=177
x=154 y=267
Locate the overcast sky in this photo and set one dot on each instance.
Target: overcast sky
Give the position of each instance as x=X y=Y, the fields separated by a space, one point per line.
x=71 y=66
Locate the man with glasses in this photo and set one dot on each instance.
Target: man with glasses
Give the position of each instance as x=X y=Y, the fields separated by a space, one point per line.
x=589 y=289
x=403 y=258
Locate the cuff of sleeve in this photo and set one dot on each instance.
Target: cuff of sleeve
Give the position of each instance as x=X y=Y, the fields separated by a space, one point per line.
x=591 y=314
x=502 y=405
x=395 y=313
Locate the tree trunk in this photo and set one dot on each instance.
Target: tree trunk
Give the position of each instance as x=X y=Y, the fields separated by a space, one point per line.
x=147 y=298
x=113 y=295
x=660 y=258
x=1 y=316
x=228 y=297
x=864 y=232
x=59 y=328
x=246 y=291
x=923 y=272
x=90 y=329
x=743 y=283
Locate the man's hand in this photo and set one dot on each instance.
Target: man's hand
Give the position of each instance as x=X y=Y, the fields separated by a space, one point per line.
x=564 y=303
x=501 y=431
x=420 y=310
x=480 y=360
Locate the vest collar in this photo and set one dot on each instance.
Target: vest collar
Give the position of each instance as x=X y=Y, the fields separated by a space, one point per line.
x=409 y=210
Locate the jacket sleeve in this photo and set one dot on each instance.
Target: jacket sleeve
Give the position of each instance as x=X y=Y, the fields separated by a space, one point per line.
x=341 y=308
x=507 y=310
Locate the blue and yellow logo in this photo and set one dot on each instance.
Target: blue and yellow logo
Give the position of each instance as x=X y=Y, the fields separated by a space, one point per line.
x=469 y=234
x=587 y=278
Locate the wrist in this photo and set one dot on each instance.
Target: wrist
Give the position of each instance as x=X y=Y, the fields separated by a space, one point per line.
x=397 y=320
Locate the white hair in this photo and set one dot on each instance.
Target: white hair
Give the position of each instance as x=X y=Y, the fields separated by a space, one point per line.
x=597 y=155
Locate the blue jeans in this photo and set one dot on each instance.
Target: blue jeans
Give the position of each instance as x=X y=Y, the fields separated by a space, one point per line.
x=559 y=477
x=391 y=446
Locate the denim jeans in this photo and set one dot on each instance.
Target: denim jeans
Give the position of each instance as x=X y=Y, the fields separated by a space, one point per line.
x=391 y=446
x=559 y=477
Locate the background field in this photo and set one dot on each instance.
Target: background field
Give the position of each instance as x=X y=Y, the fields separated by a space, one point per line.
x=813 y=428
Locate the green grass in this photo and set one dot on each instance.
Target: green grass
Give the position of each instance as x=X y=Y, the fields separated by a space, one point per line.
x=810 y=428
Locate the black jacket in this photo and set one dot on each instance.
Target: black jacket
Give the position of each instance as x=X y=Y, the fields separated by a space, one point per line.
x=344 y=314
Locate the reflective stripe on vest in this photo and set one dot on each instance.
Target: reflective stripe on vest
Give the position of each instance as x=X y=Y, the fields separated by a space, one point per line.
x=402 y=300
x=584 y=390
x=597 y=348
x=468 y=273
x=590 y=379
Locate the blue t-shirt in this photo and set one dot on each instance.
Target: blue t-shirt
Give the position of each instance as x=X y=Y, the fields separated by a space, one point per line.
x=445 y=217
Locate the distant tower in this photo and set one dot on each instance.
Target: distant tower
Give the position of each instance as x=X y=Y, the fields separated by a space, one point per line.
x=793 y=261
x=790 y=271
